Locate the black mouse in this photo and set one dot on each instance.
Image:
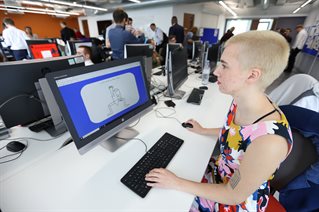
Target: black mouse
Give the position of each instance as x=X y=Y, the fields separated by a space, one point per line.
x=203 y=87
x=15 y=146
x=187 y=125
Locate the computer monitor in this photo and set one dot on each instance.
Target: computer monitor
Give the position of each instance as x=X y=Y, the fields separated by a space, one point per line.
x=101 y=100
x=203 y=56
x=45 y=48
x=144 y=50
x=177 y=72
x=197 y=45
x=213 y=55
x=170 y=47
x=19 y=99
x=73 y=45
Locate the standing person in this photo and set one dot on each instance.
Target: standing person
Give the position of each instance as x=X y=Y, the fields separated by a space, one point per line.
x=119 y=36
x=28 y=31
x=227 y=35
x=158 y=36
x=297 y=46
x=66 y=32
x=15 y=39
x=176 y=30
x=288 y=37
x=256 y=137
x=107 y=31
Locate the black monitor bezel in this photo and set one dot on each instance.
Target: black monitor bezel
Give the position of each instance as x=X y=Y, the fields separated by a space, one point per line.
x=92 y=140
x=144 y=46
x=170 y=77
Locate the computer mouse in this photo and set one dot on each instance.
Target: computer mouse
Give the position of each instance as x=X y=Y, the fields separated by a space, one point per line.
x=203 y=87
x=187 y=125
x=15 y=146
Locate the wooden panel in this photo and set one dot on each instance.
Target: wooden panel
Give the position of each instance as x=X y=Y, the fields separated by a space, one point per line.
x=86 y=28
x=189 y=21
x=44 y=26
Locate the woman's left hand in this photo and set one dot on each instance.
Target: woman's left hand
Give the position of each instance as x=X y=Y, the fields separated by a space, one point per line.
x=162 y=178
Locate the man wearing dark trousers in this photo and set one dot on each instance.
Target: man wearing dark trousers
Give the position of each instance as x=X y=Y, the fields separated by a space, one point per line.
x=176 y=30
x=297 y=47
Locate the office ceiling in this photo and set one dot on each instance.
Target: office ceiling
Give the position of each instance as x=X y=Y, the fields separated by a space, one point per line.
x=241 y=7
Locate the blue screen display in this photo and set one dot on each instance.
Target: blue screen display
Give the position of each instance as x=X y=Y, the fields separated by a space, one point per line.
x=95 y=101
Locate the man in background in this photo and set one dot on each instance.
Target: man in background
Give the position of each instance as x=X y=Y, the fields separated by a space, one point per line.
x=227 y=35
x=158 y=36
x=66 y=32
x=86 y=52
x=119 y=36
x=297 y=46
x=15 y=39
x=176 y=30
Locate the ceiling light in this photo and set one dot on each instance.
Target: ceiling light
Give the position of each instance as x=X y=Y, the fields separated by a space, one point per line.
x=303 y=5
x=227 y=8
x=15 y=7
x=135 y=1
x=32 y=3
x=74 y=4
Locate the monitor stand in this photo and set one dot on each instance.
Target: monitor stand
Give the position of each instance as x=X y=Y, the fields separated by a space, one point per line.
x=119 y=139
x=176 y=94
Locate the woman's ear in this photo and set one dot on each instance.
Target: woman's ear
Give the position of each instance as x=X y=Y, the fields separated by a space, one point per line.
x=254 y=75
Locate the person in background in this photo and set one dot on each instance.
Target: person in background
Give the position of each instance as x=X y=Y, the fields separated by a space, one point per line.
x=107 y=40
x=158 y=36
x=227 y=35
x=86 y=52
x=78 y=34
x=15 y=39
x=129 y=24
x=287 y=35
x=119 y=36
x=171 y=39
x=191 y=36
x=66 y=32
x=256 y=137
x=28 y=31
x=176 y=30
x=296 y=47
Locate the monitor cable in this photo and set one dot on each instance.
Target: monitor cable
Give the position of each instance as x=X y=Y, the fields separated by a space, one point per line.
x=17 y=153
x=159 y=114
x=138 y=139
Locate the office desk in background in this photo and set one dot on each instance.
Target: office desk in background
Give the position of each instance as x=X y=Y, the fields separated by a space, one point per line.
x=46 y=178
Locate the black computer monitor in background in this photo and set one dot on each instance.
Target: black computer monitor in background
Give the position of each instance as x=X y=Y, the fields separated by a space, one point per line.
x=170 y=47
x=213 y=55
x=203 y=56
x=19 y=99
x=177 y=72
x=99 y=101
x=196 y=49
x=144 y=50
x=44 y=48
x=73 y=45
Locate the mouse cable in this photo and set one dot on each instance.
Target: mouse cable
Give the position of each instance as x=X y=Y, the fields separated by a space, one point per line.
x=20 y=153
x=169 y=116
x=127 y=139
x=30 y=138
x=138 y=120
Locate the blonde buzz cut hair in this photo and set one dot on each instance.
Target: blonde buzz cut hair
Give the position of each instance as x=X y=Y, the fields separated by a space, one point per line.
x=264 y=50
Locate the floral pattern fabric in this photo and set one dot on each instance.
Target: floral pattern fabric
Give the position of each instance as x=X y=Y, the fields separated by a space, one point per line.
x=233 y=141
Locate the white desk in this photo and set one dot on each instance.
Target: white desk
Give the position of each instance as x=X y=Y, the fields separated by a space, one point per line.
x=63 y=180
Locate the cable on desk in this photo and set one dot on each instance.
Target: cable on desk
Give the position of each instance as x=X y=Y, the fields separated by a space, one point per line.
x=127 y=139
x=30 y=138
x=20 y=153
x=138 y=120
x=169 y=116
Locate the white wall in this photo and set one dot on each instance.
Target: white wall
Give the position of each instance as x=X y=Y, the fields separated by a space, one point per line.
x=142 y=18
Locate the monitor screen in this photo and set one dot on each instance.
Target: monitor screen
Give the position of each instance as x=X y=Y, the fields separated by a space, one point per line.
x=178 y=67
x=73 y=45
x=19 y=100
x=46 y=48
x=135 y=50
x=98 y=101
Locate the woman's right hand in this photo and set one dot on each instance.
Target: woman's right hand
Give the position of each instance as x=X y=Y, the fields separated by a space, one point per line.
x=197 y=128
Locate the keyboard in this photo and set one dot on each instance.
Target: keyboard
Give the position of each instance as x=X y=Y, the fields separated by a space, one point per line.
x=37 y=127
x=158 y=156
x=196 y=96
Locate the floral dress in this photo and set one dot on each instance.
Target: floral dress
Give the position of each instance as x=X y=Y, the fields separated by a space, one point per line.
x=233 y=141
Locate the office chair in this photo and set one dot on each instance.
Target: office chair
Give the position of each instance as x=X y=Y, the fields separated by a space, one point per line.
x=292 y=88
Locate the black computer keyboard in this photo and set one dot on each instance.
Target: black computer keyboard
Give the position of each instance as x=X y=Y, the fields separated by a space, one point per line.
x=158 y=156
x=37 y=127
x=196 y=96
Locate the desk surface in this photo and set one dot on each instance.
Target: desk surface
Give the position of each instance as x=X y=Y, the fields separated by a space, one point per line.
x=46 y=178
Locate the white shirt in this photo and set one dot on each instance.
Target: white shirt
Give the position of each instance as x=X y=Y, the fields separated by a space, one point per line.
x=158 y=36
x=15 y=38
x=88 y=62
x=300 y=39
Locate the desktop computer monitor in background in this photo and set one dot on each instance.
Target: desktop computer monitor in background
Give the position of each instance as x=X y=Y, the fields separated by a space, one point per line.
x=203 y=55
x=170 y=47
x=177 y=72
x=19 y=99
x=73 y=45
x=99 y=101
x=213 y=55
x=144 y=50
x=45 y=48
x=197 y=45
